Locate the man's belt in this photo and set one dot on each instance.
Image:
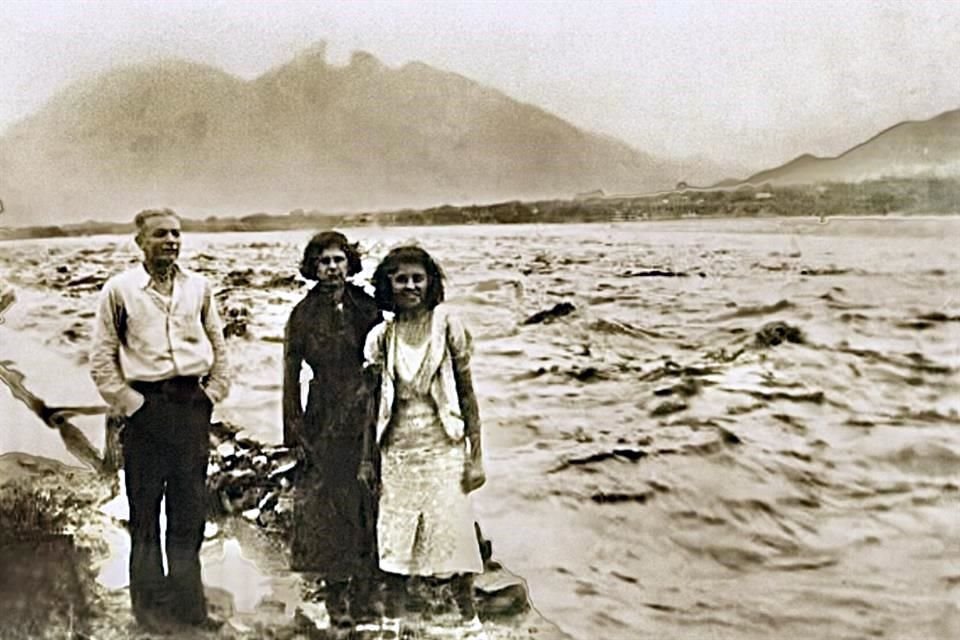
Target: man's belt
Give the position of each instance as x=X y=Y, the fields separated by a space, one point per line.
x=170 y=386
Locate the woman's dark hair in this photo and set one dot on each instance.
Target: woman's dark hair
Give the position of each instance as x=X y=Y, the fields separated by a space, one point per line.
x=325 y=240
x=383 y=291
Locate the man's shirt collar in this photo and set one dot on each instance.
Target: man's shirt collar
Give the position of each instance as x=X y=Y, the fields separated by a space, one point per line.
x=143 y=277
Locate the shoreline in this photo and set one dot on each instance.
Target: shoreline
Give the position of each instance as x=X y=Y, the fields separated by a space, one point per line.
x=25 y=234
x=876 y=199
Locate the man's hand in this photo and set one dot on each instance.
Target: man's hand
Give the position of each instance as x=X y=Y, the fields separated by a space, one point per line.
x=127 y=404
x=116 y=411
x=207 y=394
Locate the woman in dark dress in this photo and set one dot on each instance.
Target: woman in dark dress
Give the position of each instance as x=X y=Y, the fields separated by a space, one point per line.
x=334 y=533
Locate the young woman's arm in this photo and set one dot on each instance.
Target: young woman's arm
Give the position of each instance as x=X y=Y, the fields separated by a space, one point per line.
x=372 y=372
x=461 y=349
x=292 y=405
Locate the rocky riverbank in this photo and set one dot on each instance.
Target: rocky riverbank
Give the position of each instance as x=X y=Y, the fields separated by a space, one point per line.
x=61 y=527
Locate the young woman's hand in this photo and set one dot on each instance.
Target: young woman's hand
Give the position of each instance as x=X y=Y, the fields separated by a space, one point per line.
x=474 y=476
x=367 y=476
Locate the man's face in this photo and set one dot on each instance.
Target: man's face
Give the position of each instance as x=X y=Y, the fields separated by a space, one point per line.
x=160 y=239
x=332 y=266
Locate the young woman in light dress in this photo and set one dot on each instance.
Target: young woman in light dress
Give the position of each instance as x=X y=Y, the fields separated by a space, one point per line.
x=428 y=432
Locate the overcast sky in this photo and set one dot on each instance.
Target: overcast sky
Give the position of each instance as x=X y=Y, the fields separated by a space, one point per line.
x=747 y=82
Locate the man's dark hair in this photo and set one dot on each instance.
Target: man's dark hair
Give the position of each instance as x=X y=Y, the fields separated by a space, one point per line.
x=383 y=291
x=325 y=240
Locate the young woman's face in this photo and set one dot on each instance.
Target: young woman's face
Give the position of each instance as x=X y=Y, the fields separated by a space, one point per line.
x=332 y=265
x=409 y=283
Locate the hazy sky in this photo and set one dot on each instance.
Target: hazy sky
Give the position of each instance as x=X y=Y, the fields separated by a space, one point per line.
x=745 y=82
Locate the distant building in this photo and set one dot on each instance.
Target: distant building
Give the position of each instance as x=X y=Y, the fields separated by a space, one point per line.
x=763 y=195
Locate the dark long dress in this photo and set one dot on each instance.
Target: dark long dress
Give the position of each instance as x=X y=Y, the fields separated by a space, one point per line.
x=334 y=531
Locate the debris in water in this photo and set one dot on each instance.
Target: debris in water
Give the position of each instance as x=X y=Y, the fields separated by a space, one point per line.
x=667 y=408
x=236 y=318
x=657 y=273
x=775 y=333
x=549 y=315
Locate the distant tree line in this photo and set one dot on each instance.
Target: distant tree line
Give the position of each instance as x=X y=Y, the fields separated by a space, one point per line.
x=876 y=197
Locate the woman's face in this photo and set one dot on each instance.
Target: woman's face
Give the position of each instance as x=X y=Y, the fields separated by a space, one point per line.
x=332 y=266
x=409 y=283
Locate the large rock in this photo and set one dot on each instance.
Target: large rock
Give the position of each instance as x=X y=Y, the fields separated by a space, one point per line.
x=46 y=580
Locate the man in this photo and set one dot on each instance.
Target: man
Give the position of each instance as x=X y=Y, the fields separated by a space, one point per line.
x=159 y=360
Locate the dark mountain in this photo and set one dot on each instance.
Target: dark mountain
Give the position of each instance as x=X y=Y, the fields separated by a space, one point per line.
x=930 y=148
x=305 y=135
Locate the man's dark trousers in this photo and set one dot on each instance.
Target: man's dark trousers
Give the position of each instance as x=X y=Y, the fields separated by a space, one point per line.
x=165 y=449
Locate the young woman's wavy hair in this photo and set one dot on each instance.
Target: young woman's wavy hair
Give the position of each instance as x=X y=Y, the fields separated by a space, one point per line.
x=383 y=291
x=325 y=240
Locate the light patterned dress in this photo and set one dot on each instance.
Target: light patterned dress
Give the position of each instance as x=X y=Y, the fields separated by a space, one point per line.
x=425 y=524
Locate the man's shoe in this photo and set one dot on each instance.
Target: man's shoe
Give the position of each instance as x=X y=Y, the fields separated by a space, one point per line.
x=472 y=629
x=390 y=628
x=367 y=627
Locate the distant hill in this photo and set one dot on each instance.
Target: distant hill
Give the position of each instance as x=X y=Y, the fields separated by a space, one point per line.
x=307 y=134
x=930 y=148
x=700 y=170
